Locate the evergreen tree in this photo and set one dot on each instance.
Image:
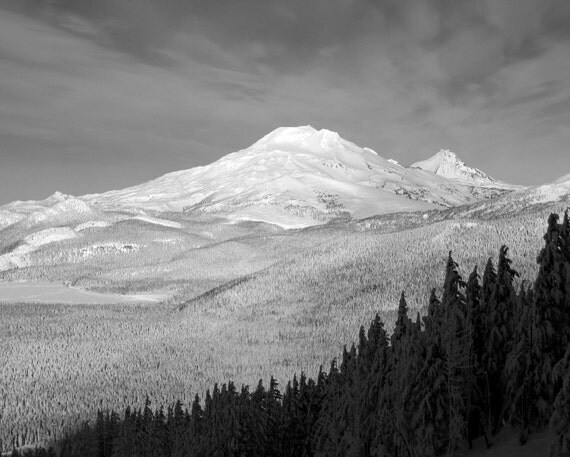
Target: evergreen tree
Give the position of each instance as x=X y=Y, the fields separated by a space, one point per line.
x=403 y=322
x=273 y=418
x=350 y=400
x=552 y=288
x=430 y=418
x=397 y=395
x=560 y=421
x=478 y=405
x=158 y=444
x=501 y=309
x=475 y=317
x=520 y=367
x=84 y=443
x=457 y=341
x=178 y=425
x=489 y=281
x=330 y=427
x=292 y=421
x=541 y=334
x=373 y=407
x=434 y=319
x=488 y=284
x=124 y=443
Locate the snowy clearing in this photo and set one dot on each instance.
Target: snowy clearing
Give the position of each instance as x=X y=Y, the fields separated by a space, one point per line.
x=111 y=247
x=58 y=293
x=50 y=235
x=163 y=222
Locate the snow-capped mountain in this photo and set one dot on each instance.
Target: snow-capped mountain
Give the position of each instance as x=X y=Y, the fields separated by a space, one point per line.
x=446 y=163
x=299 y=176
x=292 y=177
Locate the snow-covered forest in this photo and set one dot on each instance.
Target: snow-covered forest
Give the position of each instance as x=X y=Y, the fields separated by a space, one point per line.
x=485 y=357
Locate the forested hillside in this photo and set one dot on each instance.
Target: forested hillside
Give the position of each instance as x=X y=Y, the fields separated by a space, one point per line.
x=485 y=356
x=256 y=304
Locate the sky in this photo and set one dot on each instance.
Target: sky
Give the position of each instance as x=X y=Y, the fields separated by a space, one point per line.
x=103 y=94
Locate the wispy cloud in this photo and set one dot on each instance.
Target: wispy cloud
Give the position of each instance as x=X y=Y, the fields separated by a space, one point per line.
x=154 y=86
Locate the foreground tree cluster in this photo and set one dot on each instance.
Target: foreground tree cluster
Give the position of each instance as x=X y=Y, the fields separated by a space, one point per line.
x=484 y=357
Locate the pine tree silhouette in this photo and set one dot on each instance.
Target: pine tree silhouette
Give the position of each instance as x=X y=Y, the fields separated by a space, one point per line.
x=560 y=421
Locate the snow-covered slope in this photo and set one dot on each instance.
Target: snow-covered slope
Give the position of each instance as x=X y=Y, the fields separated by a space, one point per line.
x=17 y=257
x=563 y=181
x=57 y=209
x=299 y=176
x=8 y=218
x=520 y=200
x=446 y=163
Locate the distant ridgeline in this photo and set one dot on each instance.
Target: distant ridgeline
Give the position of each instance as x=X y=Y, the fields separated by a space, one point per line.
x=485 y=357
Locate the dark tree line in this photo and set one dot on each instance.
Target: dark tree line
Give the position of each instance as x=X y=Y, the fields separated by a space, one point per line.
x=484 y=357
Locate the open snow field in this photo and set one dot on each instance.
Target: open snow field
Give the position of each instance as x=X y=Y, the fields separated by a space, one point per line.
x=58 y=293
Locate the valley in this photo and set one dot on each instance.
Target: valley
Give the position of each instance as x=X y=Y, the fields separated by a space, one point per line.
x=265 y=301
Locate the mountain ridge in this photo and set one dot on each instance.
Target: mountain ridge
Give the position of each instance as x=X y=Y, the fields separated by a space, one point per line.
x=293 y=177
x=299 y=176
x=447 y=164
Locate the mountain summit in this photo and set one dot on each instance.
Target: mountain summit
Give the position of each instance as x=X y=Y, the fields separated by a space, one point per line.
x=304 y=138
x=446 y=163
x=299 y=176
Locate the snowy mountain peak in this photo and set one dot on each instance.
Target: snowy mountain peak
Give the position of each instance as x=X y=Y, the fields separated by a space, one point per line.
x=446 y=163
x=58 y=196
x=305 y=138
x=441 y=161
x=446 y=154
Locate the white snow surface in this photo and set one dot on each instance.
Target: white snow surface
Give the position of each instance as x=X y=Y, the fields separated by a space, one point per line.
x=8 y=218
x=43 y=292
x=563 y=181
x=158 y=221
x=58 y=209
x=18 y=257
x=296 y=176
x=31 y=206
x=50 y=235
x=111 y=247
x=549 y=192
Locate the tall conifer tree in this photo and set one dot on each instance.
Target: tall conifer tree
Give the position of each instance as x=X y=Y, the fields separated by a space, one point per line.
x=501 y=308
x=552 y=288
x=560 y=421
x=457 y=344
